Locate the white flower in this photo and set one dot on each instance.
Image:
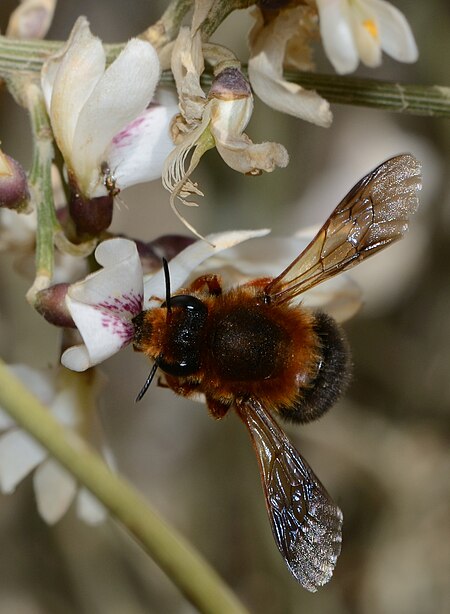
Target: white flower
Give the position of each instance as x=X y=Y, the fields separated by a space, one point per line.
x=217 y=120
x=354 y=30
x=104 y=304
x=71 y=399
x=276 y=41
x=108 y=134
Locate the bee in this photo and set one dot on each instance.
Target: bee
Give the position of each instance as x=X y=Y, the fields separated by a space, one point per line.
x=254 y=350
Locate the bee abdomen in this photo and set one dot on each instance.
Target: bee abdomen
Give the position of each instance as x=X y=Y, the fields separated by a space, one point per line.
x=331 y=377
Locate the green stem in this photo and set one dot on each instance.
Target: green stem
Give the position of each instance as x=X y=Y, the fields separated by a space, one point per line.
x=429 y=100
x=188 y=570
x=219 y=12
x=166 y=28
x=41 y=186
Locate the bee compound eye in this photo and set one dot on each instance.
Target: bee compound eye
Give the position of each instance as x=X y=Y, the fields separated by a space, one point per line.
x=181 y=355
x=188 y=302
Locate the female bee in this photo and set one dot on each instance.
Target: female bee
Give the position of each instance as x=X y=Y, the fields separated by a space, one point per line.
x=251 y=349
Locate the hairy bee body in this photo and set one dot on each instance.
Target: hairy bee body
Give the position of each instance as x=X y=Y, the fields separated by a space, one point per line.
x=239 y=345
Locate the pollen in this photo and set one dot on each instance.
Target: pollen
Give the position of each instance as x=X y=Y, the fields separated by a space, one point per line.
x=371 y=27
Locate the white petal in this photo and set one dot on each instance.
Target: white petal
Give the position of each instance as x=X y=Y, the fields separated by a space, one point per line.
x=76 y=358
x=55 y=490
x=118 y=283
x=186 y=261
x=71 y=76
x=337 y=35
x=138 y=152
x=340 y=297
x=19 y=455
x=265 y=69
x=122 y=93
x=368 y=45
x=41 y=382
x=397 y=39
x=104 y=304
x=6 y=421
x=103 y=332
x=89 y=508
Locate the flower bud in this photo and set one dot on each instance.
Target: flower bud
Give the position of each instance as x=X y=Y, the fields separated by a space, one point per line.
x=91 y=216
x=14 y=193
x=230 y=84
x=51 y=304
x=32 y=19
x=166 y=246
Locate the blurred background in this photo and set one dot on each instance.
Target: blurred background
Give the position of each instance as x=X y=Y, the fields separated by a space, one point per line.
x=383 y=450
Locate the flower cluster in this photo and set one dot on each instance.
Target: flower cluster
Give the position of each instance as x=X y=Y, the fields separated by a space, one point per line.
x=115 y=125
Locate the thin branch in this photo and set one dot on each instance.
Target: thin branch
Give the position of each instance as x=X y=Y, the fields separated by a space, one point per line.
x=427 y=100
x=186 y=568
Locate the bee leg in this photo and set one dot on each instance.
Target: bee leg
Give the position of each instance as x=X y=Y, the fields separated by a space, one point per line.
x=212 y=283
x=218 y=408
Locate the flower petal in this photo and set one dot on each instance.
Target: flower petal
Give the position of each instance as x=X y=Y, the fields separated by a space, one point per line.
x=337 y=35
x=104 y=304
x=121 y=94
x=184 y=264
x=19 y=455
x=55 y=490
x=68 y=79
x=367 y=43
x=397 y=39
x=265 y=69
x=6 y=421
x=77 y=358
x=138 y=152
x=89 y=508
x=228 y=120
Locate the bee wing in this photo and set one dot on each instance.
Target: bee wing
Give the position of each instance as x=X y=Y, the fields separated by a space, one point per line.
x=372 y=215
x=306 y=524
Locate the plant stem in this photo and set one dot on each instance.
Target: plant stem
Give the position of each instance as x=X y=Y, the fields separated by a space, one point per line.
x=41 y=184
x=187 y=569
x=167 y=27
x=429 y=100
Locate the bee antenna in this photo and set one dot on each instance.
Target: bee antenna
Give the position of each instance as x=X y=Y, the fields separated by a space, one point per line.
x=148 y=381
x=167 y=280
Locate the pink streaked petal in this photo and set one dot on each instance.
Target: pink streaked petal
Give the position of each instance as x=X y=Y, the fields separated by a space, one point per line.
x=71 y=76
x=122 y=93
x=118 y=286
x=55 y=489
x=138 y=152
x=184 y=264
x=104 y=334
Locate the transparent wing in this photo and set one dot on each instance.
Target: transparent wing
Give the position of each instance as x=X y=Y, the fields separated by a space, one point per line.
x=306 y=524
x=372 y=215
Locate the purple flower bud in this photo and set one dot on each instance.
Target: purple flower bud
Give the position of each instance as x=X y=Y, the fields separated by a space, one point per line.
x=230 y=84
x=91 y=216
x=166 y=246
x=51 y=304
x=14 y=193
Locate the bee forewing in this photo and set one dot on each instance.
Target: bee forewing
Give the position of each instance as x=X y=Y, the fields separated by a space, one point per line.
x=306 y=524
x=372 y=215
